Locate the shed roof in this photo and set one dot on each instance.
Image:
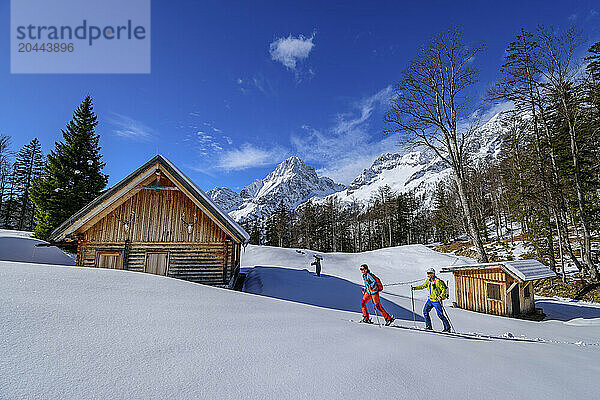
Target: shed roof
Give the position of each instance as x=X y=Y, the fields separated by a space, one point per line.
x=94 y=207
x=522 y=270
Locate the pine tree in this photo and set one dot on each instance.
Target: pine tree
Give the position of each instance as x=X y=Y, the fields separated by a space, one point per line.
x=9 y=201
x=255 y=233
x=28 y=167
x=73 y=174
x=5 y=174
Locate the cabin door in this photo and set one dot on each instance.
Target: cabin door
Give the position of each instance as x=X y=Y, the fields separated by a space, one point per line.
x=110 y=260
x=516 y=303
x=156 y=263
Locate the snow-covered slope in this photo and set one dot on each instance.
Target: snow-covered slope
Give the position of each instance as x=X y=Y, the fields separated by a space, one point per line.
x=292 y=182
x=225 y=198
x=284 y=273
x=73 y=333
x=421 y=170
x=417 y=170
x=22 y=246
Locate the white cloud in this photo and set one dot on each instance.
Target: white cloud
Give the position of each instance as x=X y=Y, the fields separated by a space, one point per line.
x=290 y=50
x=249 y=156
x=209 y=144
x=128 y=127
x=350 y=145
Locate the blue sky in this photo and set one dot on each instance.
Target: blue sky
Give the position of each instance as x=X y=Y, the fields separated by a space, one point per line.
x=236 y=87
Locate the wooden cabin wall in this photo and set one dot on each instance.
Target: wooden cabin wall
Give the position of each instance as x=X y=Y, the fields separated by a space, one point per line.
x=526 y=305
x=471 y=290
x=197 y=262
x=156 y=226
x=157 y=218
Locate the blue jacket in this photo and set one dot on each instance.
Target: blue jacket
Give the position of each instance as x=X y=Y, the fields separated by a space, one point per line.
x=370 y=283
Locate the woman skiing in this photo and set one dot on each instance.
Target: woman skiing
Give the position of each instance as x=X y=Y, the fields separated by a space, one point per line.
x=371 y=291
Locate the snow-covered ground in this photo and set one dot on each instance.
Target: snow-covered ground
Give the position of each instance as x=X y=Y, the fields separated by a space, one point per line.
x=22 y=246
x=73 y=333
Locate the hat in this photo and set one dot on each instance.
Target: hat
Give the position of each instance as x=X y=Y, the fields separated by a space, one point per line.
x=318 y=256
x=431 y=271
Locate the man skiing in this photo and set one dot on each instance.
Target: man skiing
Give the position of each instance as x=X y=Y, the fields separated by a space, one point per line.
x=372 y=292
x=437 y=293
x=317 y=264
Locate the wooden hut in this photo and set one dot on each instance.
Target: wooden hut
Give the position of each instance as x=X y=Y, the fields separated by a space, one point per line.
x=158 y=221
x=501 y=288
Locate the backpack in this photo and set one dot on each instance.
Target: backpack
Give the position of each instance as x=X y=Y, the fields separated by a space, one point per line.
x=445 y=287
x=447 y=296
x=377 y=282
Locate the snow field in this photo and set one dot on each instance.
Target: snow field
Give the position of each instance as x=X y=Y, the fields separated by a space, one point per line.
x=73 y=333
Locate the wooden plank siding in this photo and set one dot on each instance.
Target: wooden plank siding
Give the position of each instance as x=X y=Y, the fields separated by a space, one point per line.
x=471 y=290
x=157 y=217
x=155 y=224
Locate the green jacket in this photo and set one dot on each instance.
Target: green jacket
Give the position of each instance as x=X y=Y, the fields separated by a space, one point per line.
x=437 y=288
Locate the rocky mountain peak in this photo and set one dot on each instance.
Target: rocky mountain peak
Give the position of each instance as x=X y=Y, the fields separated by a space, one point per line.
x=292 y=182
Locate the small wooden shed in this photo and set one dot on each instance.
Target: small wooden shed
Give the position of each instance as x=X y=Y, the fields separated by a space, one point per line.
x=158 y=221
x=502 y=288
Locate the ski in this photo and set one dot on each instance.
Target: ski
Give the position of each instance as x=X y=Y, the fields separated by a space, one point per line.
x=472 y=336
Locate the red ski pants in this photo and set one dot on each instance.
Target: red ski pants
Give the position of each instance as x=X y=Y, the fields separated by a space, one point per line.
x=375 y=298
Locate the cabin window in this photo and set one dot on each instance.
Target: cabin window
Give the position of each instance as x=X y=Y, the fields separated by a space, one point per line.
x=109 y=259
x=493 y=291
x=526 y=292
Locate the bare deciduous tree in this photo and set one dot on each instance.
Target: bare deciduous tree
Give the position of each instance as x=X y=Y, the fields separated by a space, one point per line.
x=432 y=104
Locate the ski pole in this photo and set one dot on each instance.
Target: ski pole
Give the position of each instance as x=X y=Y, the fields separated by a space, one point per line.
x=446 y=315
x=376 y=312
x=412 y=296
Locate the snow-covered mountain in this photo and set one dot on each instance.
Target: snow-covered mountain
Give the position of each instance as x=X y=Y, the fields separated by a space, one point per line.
x=421 y=170
x=225 y=198
x=292 y=182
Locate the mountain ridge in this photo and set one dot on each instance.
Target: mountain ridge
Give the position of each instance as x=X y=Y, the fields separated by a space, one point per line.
x=294 y=182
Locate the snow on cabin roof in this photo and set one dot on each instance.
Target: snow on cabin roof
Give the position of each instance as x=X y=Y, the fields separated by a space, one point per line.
x=95 y=206
x=524 y=270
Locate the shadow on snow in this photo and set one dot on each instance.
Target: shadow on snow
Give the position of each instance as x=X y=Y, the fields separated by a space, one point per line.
x=327 y=291
x=561 y=311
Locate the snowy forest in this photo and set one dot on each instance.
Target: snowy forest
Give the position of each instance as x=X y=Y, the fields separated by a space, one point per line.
x=546 y=180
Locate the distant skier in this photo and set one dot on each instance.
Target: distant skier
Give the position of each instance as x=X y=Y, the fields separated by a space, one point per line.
x=437 y=293
x=317 y=264
x=371 y=291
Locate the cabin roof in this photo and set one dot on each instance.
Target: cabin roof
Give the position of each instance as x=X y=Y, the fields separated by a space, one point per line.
x=93 y=208
x=522 y=270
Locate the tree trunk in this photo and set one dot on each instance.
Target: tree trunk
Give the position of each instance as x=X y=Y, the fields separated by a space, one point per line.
x=586 y=253
x=471 y=224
